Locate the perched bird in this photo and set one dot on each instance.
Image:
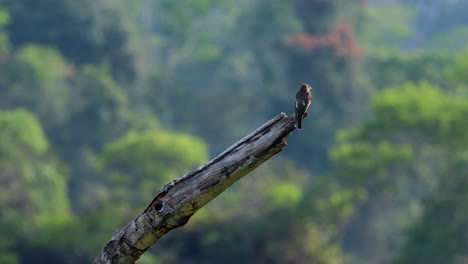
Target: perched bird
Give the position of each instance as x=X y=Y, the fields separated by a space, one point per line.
x=303 y=100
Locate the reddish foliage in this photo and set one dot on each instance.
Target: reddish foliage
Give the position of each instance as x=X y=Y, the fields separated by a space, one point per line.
x=3 y=58
x=340 y=38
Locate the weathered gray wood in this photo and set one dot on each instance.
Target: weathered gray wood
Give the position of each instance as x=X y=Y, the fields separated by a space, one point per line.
x=180 y=199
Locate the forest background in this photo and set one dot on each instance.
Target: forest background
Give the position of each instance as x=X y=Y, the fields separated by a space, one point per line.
x=104 y=101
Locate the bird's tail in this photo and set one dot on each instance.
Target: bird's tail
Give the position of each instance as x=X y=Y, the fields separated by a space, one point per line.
x=299 y=123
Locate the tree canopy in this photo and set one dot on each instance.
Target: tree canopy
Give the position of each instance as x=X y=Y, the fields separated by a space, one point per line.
x=103 y=102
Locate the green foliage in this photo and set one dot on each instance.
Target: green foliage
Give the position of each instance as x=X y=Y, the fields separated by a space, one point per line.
x=35 y=186
x=332 y=69
x=36 y=57
x=112 y=90
x=396 y=68
x=265 y=190
x=330 y=204
x=272 y=217
x=400 y=115
x=4 y=18
x=177 y=21
x=8 y=258
x=453 y=41
x=21 y=129
x=86 y=32
x=98 y=110
x=409 y=106
x=24 y=79
x=285 y=195
x=361 y=159
x=145 y=160
x=34 y=198
x=441 y=230
x=387 y=26
x=4 y=40
x=457 y=72
x=419 y=108
x=400 y=152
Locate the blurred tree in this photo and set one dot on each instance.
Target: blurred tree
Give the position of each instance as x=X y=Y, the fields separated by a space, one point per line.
x=398 y=155
x=80 y=109
x=24 y=79
x=98 y=109
x=457 y=72
x=185 y=42
x=387 y=27
x=396 y=68
x=85 y=31
x=33 y=185
x=198 y=64
x=454 y=40
x=4 y=39
x=136 y=164
x=439 y=235
x=34 y=197
x=436 y=17
x=99 y=113
x=217 y=69
x=327 y=55
x=272 y=218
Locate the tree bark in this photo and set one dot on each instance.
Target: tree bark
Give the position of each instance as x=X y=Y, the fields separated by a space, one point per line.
x=181 y=198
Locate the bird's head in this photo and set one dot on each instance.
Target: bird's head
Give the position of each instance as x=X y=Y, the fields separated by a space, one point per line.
x=306 y=88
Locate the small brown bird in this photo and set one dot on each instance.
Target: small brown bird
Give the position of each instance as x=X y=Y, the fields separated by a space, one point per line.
x=303 y=100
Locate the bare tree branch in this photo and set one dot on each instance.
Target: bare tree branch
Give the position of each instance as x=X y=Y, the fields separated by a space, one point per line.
x=181 y=198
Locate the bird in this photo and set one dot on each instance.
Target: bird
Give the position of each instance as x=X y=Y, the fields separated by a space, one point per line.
x=303 y=100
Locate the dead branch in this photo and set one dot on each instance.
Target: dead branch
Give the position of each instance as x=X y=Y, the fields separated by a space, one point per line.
x=181 y=198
